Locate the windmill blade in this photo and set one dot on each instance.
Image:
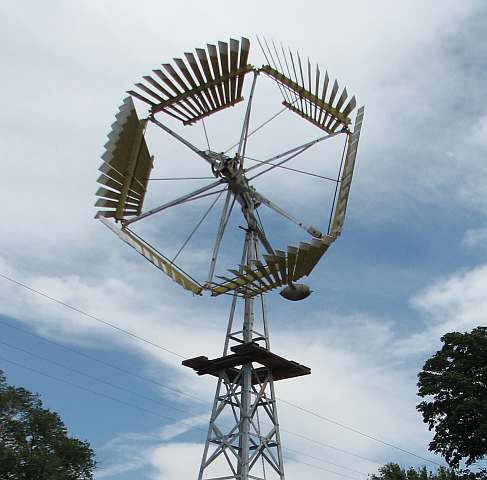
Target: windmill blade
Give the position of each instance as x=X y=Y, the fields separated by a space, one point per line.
x=317 y=109
x=155 y=258
x=346 y=180
x=208 y=83
x=126 y=167
x=281 y=269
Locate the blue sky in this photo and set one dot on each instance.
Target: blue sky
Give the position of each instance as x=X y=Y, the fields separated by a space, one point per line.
x=411 y=263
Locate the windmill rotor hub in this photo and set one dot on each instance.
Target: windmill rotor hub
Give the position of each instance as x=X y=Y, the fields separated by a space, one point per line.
x=229 y=169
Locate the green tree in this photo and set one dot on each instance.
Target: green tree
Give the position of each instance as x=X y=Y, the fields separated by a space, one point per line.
x=392 y=471
x=454 y=381
x=34 y=443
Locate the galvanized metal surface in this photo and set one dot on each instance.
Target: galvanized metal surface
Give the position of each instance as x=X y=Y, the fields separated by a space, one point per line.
x=243 y=440
x=201 y=87
x=280 y=269
x=318 y=110
x=346 y=180
x=155 y=258
x=126 y=166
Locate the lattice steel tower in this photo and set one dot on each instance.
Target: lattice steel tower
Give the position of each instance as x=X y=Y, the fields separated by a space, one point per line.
x=243 y=440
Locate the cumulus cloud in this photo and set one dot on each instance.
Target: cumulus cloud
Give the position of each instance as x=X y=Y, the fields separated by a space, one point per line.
x=457 y=303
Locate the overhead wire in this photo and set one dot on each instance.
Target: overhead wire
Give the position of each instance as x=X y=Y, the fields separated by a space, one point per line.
x=326 y=470
x=92 y=377
x=151 y=412
x=93 y=317
x=326 y=445
x=137 y=337
x=358 y=432
x=105 y=363
x=100 y=394
x=180 y=392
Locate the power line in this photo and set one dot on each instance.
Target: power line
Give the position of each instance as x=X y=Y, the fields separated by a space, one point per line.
x=326 y=470
x=193 y=397
x=346 y=427
x=89 y=315
x=91 y=377
x=326 y=445
x=137 y=337
x=107 y=364
x=132 y=405
x=321 y=460
x=100 y=394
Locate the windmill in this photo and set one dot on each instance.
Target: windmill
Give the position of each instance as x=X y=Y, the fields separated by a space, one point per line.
x=243 y=440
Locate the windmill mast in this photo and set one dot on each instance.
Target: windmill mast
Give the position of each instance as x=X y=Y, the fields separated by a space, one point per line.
x=244 y=427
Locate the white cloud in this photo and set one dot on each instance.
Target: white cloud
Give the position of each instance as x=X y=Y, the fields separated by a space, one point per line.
x=475 y=238
x=134 y=451
x=175 y=461
x=457 y=303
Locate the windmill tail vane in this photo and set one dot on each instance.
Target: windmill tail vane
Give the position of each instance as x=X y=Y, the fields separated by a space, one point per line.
x=243 y=440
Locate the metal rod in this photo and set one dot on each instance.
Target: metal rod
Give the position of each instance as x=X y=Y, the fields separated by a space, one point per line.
x=199 y=152
x=299 y=149
x=245 y=127
x=294 y=170
x=221 y=230
x=182 y=178
x=246 y=400
x=262 y=125
x=281 y=162
x=268 y=203
x=190 y=236
x=234 y=304
x=210 y=429
x=174 y=202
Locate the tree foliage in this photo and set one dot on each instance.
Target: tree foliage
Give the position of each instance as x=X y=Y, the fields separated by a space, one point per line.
x=34 y=443
x=454 y=381
x=392 y=471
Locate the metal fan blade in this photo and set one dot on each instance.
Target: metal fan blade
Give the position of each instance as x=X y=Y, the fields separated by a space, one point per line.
x=346 y=180
x=127 y=163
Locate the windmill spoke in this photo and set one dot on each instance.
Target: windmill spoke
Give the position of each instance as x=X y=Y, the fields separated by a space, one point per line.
x=175 y=202
x=245 y=127
x=294 y=152
x=227 y=210
x=276 y=208
x=199 y=152
x=334 y=180
x=206 y=133
x=202 y=219
x=262 y=125
x=182 y=178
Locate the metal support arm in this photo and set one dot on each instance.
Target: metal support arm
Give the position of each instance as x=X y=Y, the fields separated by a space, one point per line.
x=177 y=201
x=199 y=152
x=309 y=228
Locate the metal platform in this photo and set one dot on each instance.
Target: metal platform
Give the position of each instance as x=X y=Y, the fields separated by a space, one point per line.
x=245 y=353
